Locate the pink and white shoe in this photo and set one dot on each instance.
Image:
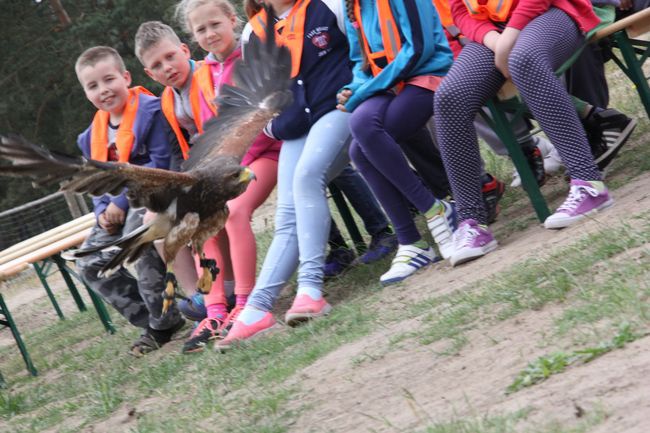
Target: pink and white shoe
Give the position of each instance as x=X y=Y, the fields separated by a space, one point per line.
x=584 y=198
x=242 y=331
x=305 y=308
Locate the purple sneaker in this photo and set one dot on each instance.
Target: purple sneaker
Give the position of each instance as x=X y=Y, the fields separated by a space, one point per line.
x=381 y=245
x=470 y=242
x=584 y=199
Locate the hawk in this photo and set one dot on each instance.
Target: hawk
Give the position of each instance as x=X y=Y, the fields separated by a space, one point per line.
x=190 y=205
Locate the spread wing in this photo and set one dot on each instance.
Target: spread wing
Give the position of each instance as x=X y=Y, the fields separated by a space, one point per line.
x=150 y=187
x=261 y=91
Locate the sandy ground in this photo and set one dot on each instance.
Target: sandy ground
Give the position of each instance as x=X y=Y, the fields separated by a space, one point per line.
x=412 y=387
x=408 y=388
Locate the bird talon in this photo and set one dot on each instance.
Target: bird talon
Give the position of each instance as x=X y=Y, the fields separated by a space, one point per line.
x=211 y=265
x=169 y=293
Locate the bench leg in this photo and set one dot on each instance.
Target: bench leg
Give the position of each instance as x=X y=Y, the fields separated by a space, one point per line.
x=40 y=272
x=633 y=68
x=60 y=263
x=528 y=182
x=9 y=321
x=99 y=305
x=348 y=219
x=102 y=312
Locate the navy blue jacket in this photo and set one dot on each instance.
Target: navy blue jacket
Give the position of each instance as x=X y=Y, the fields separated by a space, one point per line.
x=325 y=68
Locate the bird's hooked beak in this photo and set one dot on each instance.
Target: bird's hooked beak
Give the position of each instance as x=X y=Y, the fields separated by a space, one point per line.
x=246 y=175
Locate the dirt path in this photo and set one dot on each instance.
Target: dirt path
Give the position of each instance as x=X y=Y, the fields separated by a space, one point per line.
x=410 y=388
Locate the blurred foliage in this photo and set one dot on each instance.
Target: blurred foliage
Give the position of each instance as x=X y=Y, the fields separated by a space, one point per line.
x=41 y=97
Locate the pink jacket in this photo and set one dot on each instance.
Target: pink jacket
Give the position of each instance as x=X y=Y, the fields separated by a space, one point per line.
x=263 y=146
x=524 y=11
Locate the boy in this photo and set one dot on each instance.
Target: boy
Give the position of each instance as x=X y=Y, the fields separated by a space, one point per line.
x=128 y=127
x=168 y=61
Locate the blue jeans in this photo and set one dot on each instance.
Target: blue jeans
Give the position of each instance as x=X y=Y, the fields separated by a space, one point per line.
x=302 y=218
x=350 y=182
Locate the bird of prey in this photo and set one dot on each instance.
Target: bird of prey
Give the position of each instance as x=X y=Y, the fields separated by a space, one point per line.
x=190 y=205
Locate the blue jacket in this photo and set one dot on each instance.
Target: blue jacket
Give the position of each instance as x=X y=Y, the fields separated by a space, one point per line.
x=150 y=148
x=424 y=50
x=324 y=69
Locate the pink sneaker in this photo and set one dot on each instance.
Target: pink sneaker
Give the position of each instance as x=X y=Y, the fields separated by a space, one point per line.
x=584 y=199
x=305 y=308
x=241 y=331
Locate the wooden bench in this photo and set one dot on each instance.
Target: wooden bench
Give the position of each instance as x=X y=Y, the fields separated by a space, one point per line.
x=633 y=54
x=42 y=252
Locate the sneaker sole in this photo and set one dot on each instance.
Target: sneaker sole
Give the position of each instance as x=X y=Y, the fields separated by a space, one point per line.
x=603 y=160
x=478 y=252
x=295 y=319
x=566 y=222
x=239 y=343
x=398 y=279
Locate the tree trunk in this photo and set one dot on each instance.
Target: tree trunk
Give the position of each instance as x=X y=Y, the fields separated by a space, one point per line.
x=62 y=15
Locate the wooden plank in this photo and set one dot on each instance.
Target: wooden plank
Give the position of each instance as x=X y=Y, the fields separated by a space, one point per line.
x=8 y=272
x=13 y=267
x=47 y=237
x=636 y=24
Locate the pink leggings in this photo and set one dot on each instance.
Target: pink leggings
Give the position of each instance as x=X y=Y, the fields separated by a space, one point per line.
x=234 y=248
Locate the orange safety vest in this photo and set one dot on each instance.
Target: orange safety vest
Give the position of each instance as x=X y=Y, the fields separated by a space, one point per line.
x=289 y=31
x=389 y=35
x=167 y=105
x=124 y=137
x=204 y=83
x=494 y=10
x=447 y=21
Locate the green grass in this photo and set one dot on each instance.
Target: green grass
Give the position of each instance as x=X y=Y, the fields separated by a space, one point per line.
x=86 y=377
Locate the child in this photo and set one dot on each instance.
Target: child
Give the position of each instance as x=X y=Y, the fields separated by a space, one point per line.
x=213 y=24
x=414 y=64
x=167 y=60
x=128 y=127
x=314 y=151
x=528 y=40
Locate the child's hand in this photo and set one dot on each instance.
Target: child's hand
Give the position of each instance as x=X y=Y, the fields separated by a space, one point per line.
x=490 y=40
x=342 y=98
x=626 y=5
x=111 y=229
x=503 y=49
x=114 y=215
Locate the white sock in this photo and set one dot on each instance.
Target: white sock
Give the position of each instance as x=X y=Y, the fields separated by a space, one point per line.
x=250 y=315
x=313 y=293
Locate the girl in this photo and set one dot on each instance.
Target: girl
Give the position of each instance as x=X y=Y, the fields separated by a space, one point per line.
x=526 y=40
x=391 y=98
x=315 y=140
x=213 y=24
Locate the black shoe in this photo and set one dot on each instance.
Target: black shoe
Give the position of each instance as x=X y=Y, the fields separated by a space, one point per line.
x=607 y=131
x=492 y=193
x=535 y=162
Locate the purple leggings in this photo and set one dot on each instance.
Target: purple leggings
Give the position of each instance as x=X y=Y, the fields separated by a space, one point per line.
x=377 y=124
x=543 y=45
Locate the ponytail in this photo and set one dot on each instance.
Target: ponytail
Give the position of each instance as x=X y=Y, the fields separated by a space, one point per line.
x=349 y=9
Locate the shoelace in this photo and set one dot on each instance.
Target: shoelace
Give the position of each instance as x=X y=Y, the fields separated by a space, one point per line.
x=206 y=325
x=576 y=195
x=465 y=235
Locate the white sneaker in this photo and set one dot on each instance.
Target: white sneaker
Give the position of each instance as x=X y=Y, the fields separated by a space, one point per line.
x=516 y=180
x=442 y=228
x=407 y=261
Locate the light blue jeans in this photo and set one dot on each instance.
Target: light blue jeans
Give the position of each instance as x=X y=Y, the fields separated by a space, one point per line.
x=302 y=216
